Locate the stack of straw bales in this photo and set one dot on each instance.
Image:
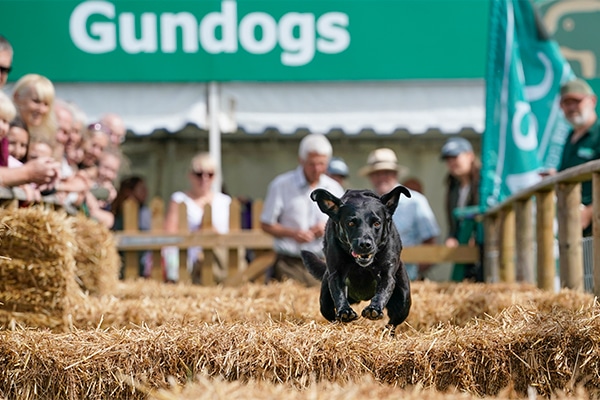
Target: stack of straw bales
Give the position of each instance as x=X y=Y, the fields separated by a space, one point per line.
x=38 y=265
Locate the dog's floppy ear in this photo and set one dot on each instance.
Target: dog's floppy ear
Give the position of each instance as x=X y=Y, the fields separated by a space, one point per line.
x=328 y=203
x=390 y=200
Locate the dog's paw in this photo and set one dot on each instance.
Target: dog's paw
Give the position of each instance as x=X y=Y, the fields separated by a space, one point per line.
x=371 y=312
x=346 y=315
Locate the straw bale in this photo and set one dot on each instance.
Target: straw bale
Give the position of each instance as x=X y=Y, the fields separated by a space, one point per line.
x=37 y=270
x=35 y=233
x=97 y=259
x=487 y=340
x=365 y=388
x=517 y=349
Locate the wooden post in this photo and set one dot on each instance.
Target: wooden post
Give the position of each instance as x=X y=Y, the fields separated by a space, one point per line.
x=524 y=241
x=184 y=275
x=491 y=260
x=208 y=261
x=257 y=206
x=545 y=240
x=131 y=224
x=157 y=211
x=596 y=230
x=236 y=256
x=507 y=252
x=569 y=236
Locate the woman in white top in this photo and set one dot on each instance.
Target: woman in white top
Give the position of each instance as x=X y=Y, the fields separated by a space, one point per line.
x=201 y=174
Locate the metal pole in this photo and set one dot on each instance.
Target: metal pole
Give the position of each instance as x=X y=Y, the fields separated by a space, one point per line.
x=214 y=133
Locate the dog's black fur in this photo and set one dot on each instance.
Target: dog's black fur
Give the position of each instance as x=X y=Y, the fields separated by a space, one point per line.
x=362 y=256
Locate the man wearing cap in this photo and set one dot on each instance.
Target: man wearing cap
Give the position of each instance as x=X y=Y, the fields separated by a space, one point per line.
x=413 y=217
x=462 y=190
x=338 y=170
x=291 y=217
x=578 y=102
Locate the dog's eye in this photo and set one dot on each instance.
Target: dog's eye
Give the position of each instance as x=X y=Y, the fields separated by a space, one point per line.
x=350 y=223
x=377 y=224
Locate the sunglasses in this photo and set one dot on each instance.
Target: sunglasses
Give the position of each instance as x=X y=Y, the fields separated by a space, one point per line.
x=5 y=70
x=203 y=174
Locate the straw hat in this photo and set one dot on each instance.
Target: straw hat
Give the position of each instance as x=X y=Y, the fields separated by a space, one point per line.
x=382 y=159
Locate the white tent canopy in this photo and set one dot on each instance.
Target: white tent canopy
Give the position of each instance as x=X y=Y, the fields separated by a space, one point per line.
x=144 y=107
x=414 y=106
x=383 y=107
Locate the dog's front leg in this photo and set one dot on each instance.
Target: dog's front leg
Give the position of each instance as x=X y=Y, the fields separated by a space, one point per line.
x=337 y=288
x=385 y=287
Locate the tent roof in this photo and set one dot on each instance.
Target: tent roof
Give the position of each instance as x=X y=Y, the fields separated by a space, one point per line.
x=448 y=106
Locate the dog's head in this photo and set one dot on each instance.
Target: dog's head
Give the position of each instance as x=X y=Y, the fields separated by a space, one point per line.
x=361 y=220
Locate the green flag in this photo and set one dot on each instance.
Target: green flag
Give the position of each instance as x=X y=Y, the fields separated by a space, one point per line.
x=525 y=130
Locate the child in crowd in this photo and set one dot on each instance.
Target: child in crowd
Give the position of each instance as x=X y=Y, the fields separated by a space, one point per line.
x=39 y=147
x=18 y=139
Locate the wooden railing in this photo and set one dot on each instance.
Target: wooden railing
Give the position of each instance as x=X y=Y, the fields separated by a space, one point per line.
x=519 y=245
x=229 y=248
x=233 y=245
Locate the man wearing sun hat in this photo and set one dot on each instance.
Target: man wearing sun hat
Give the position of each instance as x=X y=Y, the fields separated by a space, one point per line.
x=578 y=102
x=413 y=217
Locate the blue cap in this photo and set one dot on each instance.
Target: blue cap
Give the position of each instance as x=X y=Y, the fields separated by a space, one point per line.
x=337 y=166
x=455 y=146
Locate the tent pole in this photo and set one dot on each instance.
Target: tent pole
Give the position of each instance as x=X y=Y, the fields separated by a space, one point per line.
x=214 y=133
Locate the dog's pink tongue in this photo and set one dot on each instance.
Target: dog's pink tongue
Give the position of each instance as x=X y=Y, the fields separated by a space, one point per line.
x=354 y=255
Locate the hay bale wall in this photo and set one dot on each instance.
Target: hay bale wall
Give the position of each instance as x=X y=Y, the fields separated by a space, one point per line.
x=519 y=338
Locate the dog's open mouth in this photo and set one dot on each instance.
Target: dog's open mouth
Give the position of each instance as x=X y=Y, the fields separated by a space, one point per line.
x=362 y=259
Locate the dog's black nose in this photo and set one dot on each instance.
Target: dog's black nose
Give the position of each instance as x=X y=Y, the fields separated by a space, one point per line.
x=365 y=246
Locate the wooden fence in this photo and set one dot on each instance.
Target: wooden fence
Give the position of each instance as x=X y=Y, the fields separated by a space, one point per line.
x=520 y=239
x=231 y=248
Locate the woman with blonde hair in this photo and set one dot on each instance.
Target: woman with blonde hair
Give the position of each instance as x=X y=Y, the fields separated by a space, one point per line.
x=200 y=193
x=34 y=96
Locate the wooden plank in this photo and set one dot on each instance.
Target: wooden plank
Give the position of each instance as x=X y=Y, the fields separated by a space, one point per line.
x=570 y=235
x=545 y=240
x=435 y=254
x=182 y=223
x=157 y=212
x=257 y=206
x=155 y=241
x=131 y=224
x=235 y=215
x=507 y=246
x=255 y=269
x=524 y=240
x=491 y=261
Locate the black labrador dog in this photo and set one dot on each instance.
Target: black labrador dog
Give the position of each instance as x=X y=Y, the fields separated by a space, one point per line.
x=362 y=257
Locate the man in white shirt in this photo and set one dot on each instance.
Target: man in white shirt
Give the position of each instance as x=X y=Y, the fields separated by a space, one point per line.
x=292 y=217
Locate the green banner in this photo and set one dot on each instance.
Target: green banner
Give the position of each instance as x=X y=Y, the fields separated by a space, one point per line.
x=525 y=130
x=252 y=40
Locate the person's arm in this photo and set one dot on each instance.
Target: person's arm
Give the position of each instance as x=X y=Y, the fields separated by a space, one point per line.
x=75 y=183
x=43 y=170
x=280 y=231
x=106 y=218
x=587 y=213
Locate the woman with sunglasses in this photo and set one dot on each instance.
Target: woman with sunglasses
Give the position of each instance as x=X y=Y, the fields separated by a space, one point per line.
x=201 y=174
